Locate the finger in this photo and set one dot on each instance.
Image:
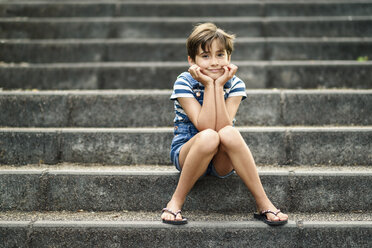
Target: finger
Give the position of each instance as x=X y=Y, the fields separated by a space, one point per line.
x=232 y=71
x=192 y=71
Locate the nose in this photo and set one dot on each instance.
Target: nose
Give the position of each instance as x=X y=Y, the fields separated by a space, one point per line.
x=214 y=61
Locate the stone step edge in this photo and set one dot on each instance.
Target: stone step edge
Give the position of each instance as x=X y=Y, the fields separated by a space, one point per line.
x=168 y=2
x=156 y=41
x=199 y=234
x=170 y=129
x=104 y=92
x=166 y=170
x=191 y=225
x=269 y=19
x=162 y=64
x=194 y=215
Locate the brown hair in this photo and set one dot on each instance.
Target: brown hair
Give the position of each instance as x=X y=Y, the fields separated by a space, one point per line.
x=203 y=35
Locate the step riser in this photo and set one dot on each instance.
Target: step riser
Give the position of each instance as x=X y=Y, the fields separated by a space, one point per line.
x=57 y=191
x=277 y=146
x=263 y=75
x=184 y=9
x=162 y=29
x=150 y=234
x=19 y=52
x=273 y=108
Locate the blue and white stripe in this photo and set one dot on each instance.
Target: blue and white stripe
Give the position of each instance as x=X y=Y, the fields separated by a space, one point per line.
x=187 y=86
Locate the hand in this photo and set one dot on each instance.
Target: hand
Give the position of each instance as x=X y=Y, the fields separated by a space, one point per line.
x=198 y=75
x=230 y=71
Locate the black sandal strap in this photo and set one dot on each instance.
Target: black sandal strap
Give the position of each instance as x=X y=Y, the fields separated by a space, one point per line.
x=171 y=212
x=270 y=212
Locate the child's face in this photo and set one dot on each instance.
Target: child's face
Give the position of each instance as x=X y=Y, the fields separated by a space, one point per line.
x=211 y=62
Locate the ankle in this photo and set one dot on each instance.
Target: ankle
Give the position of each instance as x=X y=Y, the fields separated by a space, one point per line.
x=264 y=205
x=177 y=201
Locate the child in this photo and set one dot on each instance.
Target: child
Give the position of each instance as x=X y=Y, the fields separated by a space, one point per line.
x=206 y=100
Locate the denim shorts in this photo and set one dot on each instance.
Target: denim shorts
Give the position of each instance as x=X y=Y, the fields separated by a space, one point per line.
x=183 y=132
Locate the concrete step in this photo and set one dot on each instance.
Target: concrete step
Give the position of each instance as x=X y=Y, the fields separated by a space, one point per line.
x=152 y=108
x=89 y=233
x=184 y=8
x=269 y=145
x=102 y=50
x=73 y=188
x=177 y=27
x=140 y=75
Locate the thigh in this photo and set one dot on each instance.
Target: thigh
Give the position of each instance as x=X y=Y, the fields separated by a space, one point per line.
x=222 y=163
x=207 y=142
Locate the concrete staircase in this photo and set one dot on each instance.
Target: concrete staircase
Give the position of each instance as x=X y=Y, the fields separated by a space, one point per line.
x=86 y=123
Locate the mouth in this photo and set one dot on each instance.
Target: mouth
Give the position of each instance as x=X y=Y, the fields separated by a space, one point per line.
x=215 y=70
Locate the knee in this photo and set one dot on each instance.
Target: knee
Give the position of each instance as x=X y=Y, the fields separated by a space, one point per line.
x=208 y=141
x=230 y=137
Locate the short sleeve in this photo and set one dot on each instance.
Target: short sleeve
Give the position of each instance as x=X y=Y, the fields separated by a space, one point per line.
x=237 y=88
x=182 y=88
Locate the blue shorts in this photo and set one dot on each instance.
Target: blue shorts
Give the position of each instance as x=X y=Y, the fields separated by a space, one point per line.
x=183 y=132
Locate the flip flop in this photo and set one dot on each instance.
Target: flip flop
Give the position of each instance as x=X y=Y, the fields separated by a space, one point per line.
x=263 y=216
x=174 y=222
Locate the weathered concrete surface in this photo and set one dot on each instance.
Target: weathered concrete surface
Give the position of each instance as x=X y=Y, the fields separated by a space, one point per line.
x=195 y=234
x=322 y=107
x=178 y=9
x=161 y=75
x=29 y=147
x=105 y=190
x=156 y=27
x=21 y=191
x=83 y=50
x=332 y=146
x=14 y=233
x=152 y=108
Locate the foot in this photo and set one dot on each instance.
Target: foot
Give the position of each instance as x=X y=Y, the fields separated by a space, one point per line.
x=172 y=212
x=271 y=216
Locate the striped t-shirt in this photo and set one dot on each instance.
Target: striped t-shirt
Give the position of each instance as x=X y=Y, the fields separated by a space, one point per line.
x=187 y=86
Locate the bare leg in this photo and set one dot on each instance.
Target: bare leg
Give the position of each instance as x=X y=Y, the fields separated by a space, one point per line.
x=242 y=161
x=194 y=158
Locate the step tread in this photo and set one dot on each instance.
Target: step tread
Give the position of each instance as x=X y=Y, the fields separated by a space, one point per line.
x=185 y=64
x=155 y=41
x=195 y=217
x=170 y=129
x=72 y=168
x=184 y=2
x=169 y=20
x=104 y=92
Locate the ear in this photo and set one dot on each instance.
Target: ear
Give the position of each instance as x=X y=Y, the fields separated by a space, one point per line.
x=191 y=61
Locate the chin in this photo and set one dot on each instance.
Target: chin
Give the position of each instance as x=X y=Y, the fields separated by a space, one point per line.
x=215 y=76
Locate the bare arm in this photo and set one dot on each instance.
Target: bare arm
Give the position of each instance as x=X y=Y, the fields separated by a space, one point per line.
x=225 y=110
x=215 y=113
x=203 y=117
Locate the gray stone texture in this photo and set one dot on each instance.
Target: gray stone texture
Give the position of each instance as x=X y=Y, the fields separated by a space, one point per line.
x=98 y=190
x=274 y=146
x=212 y=234
x=14 y=234
x=152 y=108
x=78 y=51
x=162 y=75
x=154 y=27
x=178 y=9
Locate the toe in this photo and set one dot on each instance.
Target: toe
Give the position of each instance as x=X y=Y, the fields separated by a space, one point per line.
x=283 y=216
x=179 y=217
x=167 y=216
x=272 y=217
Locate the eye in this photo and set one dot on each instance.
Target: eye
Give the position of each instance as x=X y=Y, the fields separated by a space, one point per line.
x=205 y=56
x=221 y=54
